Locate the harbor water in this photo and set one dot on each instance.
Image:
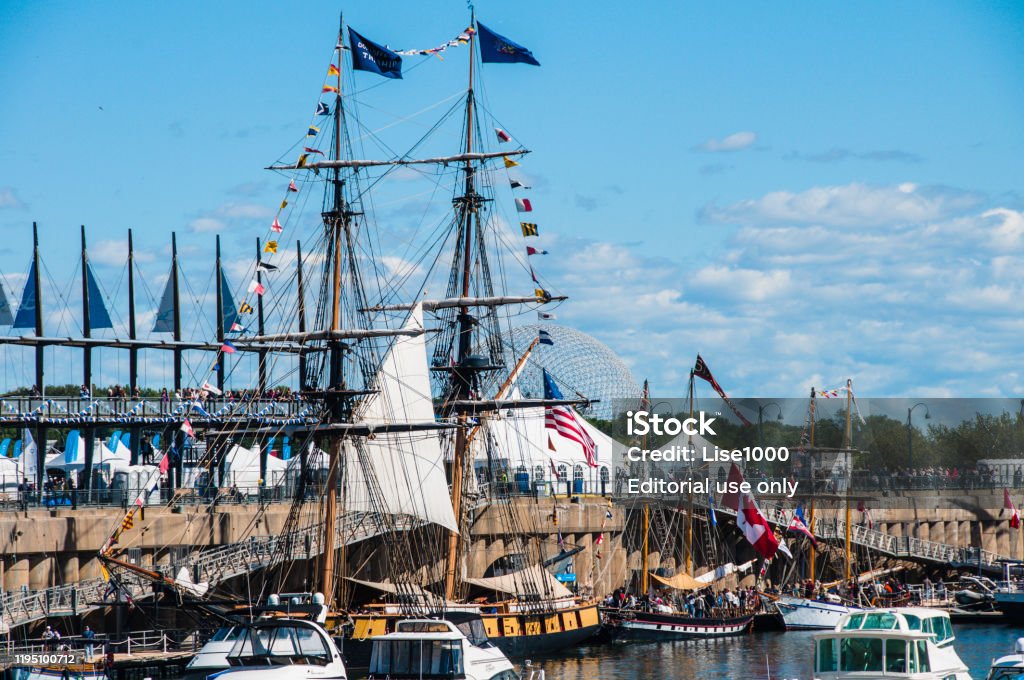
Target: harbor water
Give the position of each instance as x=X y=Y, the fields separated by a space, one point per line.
x=788 y=655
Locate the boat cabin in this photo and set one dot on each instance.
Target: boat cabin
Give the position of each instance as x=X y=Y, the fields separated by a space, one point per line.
x=439 y=648
x=905 y=642
x=283 y=642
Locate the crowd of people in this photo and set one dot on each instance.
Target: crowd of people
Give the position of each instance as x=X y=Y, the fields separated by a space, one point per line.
x=704 y=603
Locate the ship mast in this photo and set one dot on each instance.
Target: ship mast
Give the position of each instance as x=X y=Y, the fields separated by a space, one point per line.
x=335 y=219
x=462 y=376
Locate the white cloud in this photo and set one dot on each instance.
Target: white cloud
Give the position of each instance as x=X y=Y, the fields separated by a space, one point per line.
x=733 y=142
x=206 y=224
x=115 y=253
x=850 y=205
x=892 y=286
x=9 y=199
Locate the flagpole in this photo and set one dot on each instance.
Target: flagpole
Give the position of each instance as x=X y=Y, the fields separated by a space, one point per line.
x=849 y=445
x=219 y=275
x=689 y=497
x=811 y=458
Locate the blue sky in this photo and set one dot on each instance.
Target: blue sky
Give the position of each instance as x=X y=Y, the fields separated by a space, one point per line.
x=801 y=193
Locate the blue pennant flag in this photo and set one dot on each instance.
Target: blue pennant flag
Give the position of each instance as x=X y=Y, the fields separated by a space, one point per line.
x=711 y=511
x=98 y=315
x=165 y=312
x=26 y=317
x=499 y=49
x=369 y=56
x=799 y=512
x=322 y=109
x=227 y=307
x=551 y=390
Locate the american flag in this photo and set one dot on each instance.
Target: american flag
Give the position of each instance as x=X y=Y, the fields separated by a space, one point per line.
x=566 y=422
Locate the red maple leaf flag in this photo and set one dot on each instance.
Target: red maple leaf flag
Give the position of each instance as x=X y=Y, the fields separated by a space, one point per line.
x=755 y=527
x=1008 y=504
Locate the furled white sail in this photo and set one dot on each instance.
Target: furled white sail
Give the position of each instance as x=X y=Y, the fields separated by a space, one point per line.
x=407 y=468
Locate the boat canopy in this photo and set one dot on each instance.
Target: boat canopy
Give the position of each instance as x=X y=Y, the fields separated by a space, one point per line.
x=680 y=581
x=535 y=579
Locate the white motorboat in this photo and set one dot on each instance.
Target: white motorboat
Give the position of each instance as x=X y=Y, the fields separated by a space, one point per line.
x=284 y=649
x=801 y=613
x=213 y=655
x=903 y=642
x=1010 y=667
x=456 y=647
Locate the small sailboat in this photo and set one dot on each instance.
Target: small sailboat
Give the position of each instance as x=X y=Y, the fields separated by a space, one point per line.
x=903 y=642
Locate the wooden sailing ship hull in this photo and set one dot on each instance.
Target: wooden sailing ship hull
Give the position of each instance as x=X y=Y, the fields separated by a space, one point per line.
x=652 y=626
x=517 y=634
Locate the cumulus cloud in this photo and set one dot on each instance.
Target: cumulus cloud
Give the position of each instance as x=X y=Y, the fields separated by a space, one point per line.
x=733 y=142
x=893 y=286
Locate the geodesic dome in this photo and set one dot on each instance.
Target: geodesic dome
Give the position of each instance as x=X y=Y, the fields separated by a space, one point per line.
x=578 y=362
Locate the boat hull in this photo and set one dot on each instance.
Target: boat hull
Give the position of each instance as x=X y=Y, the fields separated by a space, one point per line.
x=516 y=634
x=651 y=626
x=1011 y=604
x=799 y=613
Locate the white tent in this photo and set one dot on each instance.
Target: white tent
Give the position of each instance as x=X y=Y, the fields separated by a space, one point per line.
x=523 y=440
x=242 y=468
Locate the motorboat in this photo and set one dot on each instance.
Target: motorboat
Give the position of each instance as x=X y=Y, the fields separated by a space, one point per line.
x=1009 y=667
x=212 y=657
x=901 y=642
x=283 y=649
x=452 y=647
x=802 y=613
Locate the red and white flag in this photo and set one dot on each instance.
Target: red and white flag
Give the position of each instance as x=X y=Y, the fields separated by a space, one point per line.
x=165 y=463
x=292 y=187
x=212 y=389
x=186 y=427
x=257 y=287
x=276 y=226
x=600 y=539
x=1008 y=504
x=523 y=205
x=565 y=422
x=755 y=527
x=502 y=135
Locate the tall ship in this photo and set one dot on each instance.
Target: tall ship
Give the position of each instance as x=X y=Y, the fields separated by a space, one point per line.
x=402 y=393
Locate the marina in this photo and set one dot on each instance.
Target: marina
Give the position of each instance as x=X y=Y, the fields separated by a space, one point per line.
x=336 y=429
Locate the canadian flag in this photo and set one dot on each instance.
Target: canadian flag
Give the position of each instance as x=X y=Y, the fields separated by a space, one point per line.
x=755 y=527
x=1008 y=504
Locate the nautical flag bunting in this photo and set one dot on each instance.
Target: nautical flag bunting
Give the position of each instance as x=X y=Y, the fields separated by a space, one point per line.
x=523 y=205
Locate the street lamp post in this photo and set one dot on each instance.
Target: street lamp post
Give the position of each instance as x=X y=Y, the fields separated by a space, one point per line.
x=910 y=432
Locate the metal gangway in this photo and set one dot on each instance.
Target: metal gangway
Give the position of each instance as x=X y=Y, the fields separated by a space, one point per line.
x=213 y=566
x=833 y=530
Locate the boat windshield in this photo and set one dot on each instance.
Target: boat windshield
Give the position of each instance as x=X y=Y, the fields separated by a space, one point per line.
x=279 y=645
x=417 y=658
x=873 y=621
x=1006 y=674
x=858 y=654
x=226 y=634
